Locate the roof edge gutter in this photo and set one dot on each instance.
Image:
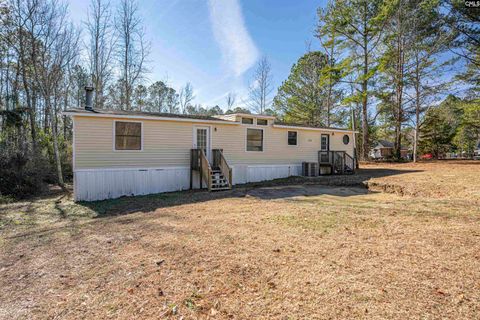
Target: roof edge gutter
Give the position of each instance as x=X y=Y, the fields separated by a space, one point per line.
x=312 y=128
x=102 y=115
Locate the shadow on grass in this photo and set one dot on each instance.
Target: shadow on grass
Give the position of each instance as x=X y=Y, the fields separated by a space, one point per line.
x=149 y=203
x=273 y=189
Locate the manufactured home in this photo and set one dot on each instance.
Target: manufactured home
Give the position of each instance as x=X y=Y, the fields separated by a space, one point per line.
x=121 y=153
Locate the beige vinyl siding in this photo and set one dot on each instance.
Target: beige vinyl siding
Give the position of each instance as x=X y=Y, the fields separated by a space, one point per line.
x=168 y=144
x=336 y=143
x=165 y=143
x=275 y=147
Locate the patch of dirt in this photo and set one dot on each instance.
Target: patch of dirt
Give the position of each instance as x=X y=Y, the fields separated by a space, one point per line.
x=308 y=250
x=440 y=179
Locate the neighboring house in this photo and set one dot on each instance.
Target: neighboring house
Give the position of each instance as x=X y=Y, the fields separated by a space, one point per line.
x=384 y=150
x=118 y=153
x=476 y=152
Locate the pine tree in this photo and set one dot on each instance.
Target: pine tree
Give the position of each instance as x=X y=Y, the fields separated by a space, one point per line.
x=302 y=97
x=440 y=127
x=334 y=47
x=361 y=24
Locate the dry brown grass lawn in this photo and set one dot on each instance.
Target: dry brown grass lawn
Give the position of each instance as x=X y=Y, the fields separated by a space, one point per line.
x=290 y=252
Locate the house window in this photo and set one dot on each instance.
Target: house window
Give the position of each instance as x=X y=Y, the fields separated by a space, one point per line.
x=292 y=138
x=254 y=140
x=128 y=135
x=262 y=122
x=247 y=120
x=346 y=139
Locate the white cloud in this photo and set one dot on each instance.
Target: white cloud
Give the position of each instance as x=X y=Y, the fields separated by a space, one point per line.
x=238 y=49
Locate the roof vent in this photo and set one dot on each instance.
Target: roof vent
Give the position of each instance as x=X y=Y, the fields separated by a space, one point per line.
x=89 y=98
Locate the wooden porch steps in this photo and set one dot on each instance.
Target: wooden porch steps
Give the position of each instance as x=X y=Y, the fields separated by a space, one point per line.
x=219 y=181
x=339 y=162
x=216 y=174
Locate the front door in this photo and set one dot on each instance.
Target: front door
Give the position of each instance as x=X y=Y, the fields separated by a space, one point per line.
x=324 y=146
x=201 y=140
x=325 y=142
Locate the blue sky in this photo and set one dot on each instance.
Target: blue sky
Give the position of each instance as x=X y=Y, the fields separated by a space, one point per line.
x=214 y=44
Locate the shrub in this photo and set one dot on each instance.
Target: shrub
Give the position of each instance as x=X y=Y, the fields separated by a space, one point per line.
x=20 y=176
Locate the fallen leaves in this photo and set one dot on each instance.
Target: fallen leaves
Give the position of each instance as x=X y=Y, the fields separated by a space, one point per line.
x=384 y=256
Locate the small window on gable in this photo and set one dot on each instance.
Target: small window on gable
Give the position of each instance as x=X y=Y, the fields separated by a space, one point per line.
x=346 y=139
x=262 y=122
x=247 y=120
x=292 y=138
x=128 y=135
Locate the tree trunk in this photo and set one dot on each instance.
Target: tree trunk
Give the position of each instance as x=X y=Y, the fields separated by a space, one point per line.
x=56 y=152
x=31 y=104
x=399 y=96
x=33 y=128
x=65 y=119
x=30 y=98
x=330 y=84
x=417 y=110
x=354 y=136
x=365 y=134
x=46 y=114
x=126 y=75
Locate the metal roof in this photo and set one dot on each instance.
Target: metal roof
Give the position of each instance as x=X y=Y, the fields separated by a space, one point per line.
x=111 y=112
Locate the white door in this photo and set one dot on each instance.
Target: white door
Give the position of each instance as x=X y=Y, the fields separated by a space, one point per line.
x=201 y=140
x=324 y=146
x=325 y=142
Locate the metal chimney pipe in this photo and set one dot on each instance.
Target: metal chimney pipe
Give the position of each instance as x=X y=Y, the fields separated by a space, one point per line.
x=89 y=98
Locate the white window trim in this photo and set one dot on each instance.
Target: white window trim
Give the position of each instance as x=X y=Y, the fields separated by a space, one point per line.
x=141 y=138
x=263 y=139
x=292 y=145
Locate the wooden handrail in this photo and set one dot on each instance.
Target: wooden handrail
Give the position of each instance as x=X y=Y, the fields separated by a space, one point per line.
x=350 y=160
x=225 y=168
x=199 y=161
x=205 y=170
x=337 y=159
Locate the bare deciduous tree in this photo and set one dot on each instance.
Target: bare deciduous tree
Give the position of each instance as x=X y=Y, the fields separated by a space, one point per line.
x=186 y=97
x=230 y=99
x=132 y=48
x=100 y=47
x=261 y=86
x=54 y=45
